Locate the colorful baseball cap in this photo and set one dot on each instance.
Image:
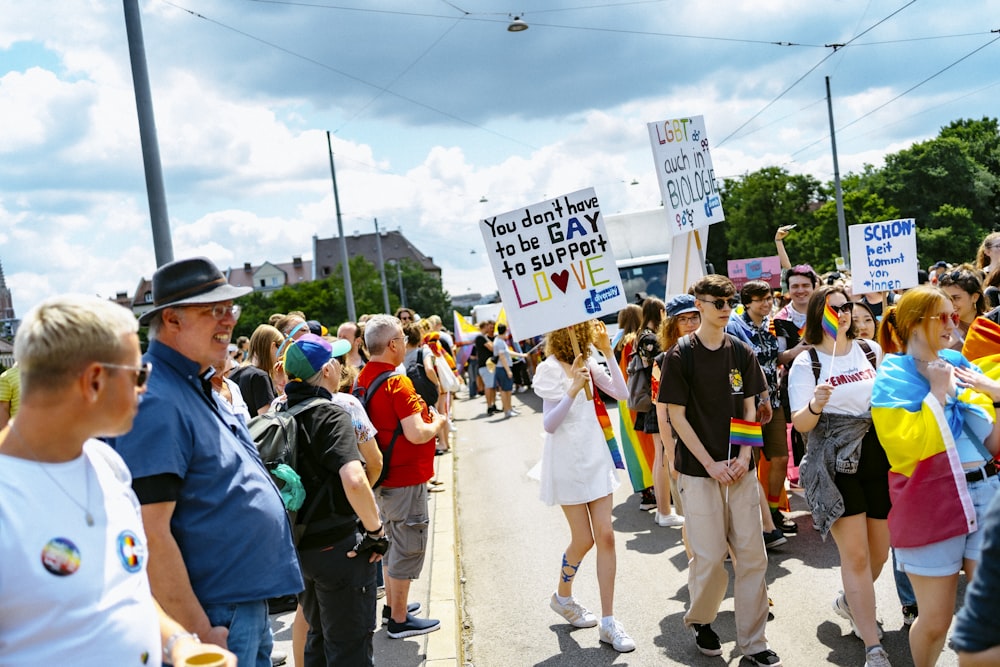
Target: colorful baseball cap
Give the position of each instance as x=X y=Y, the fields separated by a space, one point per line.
x=306 y=356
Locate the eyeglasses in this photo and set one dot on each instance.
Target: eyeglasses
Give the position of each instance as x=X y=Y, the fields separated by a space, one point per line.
x=688 y=318
x=141 y=372
x=944 y=318
x=220 y=310
x=842 y=308
x=766 y=299
x=719 y=304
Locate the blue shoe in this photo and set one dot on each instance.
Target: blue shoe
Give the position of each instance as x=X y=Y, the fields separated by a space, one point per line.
x=413 y=626
x=411 y=608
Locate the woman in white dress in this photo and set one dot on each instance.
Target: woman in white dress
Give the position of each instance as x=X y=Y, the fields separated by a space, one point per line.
x=578 y=472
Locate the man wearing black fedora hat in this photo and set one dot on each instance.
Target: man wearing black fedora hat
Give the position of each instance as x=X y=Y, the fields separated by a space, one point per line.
x=219 y=540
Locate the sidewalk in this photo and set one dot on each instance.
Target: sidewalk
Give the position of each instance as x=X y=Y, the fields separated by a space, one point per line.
x=436 y=591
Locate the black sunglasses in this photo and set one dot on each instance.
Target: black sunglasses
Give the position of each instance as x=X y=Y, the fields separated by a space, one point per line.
x=719 y=304
x=141 y=372
x=844 y=307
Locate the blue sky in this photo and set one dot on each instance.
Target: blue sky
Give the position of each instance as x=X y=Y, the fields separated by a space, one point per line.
x=434 y=105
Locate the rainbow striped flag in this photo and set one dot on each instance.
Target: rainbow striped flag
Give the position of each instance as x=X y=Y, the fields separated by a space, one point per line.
x=609 y=431
x=831 y=321
x=465 y=336
x=745 y=434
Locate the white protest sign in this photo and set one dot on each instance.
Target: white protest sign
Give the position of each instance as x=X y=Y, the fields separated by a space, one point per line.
x=685 y=173
x=883 y=256
x=687 y=265
x=553 y=264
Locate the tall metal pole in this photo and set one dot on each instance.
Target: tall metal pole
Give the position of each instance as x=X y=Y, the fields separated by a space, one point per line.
x=838 y=193
x=163 y=247
x=352 y=313
x=381 y=267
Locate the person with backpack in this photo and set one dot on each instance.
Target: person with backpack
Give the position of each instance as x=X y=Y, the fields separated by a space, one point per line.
x=639 y=373
x=721 y=497
x=845 y=470
x=344 y=535
x=406 y=429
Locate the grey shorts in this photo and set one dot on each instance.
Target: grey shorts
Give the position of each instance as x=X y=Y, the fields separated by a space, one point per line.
x=488 y=377
x=404 y=513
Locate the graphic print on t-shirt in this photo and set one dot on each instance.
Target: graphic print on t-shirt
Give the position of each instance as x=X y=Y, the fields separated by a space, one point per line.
x=736 y=380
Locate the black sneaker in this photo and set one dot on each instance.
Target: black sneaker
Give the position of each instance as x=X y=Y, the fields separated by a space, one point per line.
x=766 y=658
x=647 y=501
x=775 y=538
x=706 y=639
x=411 y=608
x=783 y=523
x=909 y=614
x=413 y=626
x=492 y=410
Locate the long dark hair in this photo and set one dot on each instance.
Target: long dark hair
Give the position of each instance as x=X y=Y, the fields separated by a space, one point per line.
x=814 y=313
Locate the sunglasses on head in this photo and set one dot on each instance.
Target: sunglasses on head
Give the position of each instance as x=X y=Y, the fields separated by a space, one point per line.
x=944 y=318
x=720 y=304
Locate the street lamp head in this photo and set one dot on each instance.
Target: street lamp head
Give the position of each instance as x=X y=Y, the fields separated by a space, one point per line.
x=517 y=25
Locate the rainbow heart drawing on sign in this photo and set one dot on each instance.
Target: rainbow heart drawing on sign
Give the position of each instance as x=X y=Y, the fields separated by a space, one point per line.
x=561 y=280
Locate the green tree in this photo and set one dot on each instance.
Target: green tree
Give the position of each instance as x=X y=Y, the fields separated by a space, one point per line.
x=424 y=292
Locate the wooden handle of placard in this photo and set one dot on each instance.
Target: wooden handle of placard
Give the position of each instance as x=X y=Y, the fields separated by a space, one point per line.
x=687 y=261
x=576 y=353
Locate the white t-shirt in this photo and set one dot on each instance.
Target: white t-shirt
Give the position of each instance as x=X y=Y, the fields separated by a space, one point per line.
x=853 y=379
x=73 y=594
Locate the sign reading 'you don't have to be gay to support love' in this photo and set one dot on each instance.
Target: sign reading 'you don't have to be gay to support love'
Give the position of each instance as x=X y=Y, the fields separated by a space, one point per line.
x=553 y=264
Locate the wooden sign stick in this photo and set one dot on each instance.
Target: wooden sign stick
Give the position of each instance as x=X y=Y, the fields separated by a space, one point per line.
x=576 y=353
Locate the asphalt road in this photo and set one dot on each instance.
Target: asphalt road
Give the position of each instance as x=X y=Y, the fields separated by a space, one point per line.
x=510 y=548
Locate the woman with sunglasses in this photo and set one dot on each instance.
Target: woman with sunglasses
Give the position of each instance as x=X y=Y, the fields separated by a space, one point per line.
x=934 y=417
x=988 y=255
x=844 y=472
x=964 y=286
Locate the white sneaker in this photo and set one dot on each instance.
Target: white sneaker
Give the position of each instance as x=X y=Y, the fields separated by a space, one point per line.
x=511 y=413
x=668 y=520
x=574 y=612
x=844 y=611
x=613 y=633
x=877 y=657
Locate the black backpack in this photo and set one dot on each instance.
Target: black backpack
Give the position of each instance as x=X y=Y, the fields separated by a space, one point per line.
x=364 y=394
x=418 y=376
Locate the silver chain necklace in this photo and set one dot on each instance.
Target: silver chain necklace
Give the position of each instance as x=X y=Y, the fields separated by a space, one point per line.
x=86 y=508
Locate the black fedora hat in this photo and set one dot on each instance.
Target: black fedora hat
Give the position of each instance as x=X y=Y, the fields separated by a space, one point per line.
x=190 y=281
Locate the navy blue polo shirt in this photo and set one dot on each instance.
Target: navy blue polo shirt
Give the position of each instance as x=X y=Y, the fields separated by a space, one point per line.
x=229 y=521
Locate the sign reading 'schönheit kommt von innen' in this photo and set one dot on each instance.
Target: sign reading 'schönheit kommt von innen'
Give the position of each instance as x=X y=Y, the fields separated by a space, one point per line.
x=553 y=263
x=883 y=255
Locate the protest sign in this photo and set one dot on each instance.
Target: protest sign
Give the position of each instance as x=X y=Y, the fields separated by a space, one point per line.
x=553 y=264
x=687 y=262
x=883 y=255
x=742 y=271
x=685 y=173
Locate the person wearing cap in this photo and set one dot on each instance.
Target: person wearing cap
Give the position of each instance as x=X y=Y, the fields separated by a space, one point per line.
x=208 y=503
x=938 y=270
x=403 y=494
x=344 y=536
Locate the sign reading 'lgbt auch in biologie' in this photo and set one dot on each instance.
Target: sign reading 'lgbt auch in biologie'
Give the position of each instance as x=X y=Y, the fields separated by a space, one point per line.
x=553 y=263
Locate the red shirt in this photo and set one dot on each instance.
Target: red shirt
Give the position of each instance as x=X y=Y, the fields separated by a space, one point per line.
x=395 y=400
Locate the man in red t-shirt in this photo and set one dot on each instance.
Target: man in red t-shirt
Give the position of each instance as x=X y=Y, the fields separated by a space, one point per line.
x=402 y=497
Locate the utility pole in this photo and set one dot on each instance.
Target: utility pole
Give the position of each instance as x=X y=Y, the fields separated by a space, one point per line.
x=838 y=193
x=381 y=268
x=163 y=247
x=352 y=313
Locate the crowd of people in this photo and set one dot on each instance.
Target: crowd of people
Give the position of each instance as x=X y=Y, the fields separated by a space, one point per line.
x=875 y=403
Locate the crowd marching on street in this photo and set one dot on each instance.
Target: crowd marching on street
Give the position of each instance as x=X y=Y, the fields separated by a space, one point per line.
x=195 y=488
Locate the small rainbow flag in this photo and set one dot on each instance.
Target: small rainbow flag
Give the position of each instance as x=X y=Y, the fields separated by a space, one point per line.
x=831 y=321
x=745 y=434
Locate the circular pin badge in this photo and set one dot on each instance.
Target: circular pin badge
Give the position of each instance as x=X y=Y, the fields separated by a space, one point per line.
x=60 y=557
x=131 y=551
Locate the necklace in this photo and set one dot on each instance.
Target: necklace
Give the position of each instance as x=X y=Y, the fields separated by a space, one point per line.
x=86 y=508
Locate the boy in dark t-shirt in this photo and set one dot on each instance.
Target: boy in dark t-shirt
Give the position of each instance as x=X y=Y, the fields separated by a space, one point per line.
x=721 y=499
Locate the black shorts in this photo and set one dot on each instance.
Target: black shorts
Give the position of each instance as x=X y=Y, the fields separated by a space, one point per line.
x=646 y=422
x=867 y=490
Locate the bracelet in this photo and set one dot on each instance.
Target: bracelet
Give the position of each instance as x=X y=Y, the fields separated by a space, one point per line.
x=361 y=527
x=168 y=647
x=809 y=406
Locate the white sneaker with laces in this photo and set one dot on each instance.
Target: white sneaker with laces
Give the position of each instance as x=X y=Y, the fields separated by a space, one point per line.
x=877 y=657
x=613 y=633
x=574 y=612
x=668 y=520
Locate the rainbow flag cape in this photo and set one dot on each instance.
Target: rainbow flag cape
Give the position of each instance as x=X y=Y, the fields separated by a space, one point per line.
x=831 y=321
x=926 y=481
x=982 y=341
x=638 y=447
x=465 y=336
x=745 y=434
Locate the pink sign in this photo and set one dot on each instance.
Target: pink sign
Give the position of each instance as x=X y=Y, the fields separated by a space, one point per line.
x=767 y=269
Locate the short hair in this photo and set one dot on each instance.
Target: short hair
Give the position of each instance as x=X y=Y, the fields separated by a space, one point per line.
x=61 y=335
x=803 y=270
x=909 y=313
x=559 y=344
x=754 y=288
x=714 y=285
x=357 y=328
x=815 y=310
x=501 y=329
x=379 y=330
x=434 y=320
x=286 y=323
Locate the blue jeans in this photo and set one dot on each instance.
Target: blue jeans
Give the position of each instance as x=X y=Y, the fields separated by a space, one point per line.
x=473 y=365
x=249 y=630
